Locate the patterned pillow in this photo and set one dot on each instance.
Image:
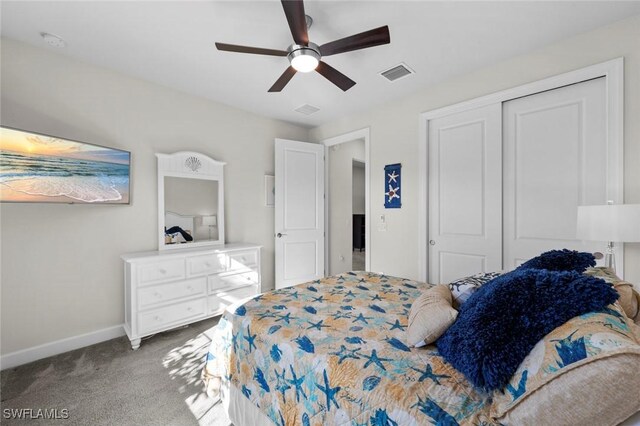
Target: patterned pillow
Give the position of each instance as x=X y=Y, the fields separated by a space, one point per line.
x=463 y=288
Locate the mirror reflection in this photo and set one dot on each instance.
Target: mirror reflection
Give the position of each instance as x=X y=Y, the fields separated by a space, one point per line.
x=190 y=210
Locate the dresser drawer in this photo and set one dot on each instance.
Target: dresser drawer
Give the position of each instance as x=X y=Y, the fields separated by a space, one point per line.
x=220 y=301
x=154 y=295
x=225 y=281
x=208 y=264
x=243 y=260
x=162 y=318
x=167 y=270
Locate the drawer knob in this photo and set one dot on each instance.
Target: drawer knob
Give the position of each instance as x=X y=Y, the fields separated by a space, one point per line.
x=156 y=294
x=163 y=271
x=189 y=309
x=157 y=318
x=189 y=288
x=208 y=264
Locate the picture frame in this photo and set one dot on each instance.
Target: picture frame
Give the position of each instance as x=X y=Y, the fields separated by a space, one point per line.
x=392 y=186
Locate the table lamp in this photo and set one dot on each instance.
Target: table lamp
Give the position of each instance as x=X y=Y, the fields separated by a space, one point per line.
x=614 y=223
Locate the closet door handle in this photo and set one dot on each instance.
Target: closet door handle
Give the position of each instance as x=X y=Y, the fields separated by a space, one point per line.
x=432 y=242
x=280 y=235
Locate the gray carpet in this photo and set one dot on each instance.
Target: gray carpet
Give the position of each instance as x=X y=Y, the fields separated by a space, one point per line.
x=110 y=384
x=358 y=260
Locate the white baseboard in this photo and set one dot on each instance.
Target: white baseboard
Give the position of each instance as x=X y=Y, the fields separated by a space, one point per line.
x=35 y=353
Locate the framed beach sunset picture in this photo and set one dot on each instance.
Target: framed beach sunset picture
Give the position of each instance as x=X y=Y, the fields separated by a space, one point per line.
x=36 y=168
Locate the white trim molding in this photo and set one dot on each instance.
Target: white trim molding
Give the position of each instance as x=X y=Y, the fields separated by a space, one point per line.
x=25 y=356
x=612 y=70
x=348 y=137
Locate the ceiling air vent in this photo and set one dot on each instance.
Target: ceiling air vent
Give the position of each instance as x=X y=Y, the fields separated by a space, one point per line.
x=397 y=72
x=307 y=109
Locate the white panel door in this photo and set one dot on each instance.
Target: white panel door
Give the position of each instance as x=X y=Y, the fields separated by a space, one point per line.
x=555 y=157
x=465 y=194
x=299 y=212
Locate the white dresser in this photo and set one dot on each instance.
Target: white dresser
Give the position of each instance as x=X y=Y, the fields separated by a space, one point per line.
x=167 y=289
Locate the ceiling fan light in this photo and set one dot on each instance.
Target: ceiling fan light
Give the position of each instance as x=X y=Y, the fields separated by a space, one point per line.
x=304 y=58
x=304 y=63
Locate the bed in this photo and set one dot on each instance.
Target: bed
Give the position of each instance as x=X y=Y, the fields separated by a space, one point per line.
x=333 y=351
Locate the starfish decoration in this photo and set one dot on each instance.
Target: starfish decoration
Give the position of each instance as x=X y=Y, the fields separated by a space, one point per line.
x=250 y=339
x=393 y=177
x=286 y=318
x=345 y=353
x=429 y=374
x=297 y=383
x=392 y=193
x=339 y=315
x=234 y=341
x=362 y=318
x=317 y=325
x=294 y=295
x=329 y=392
x=397 y=325
x=266 y=314
x=350 y=294
x=376 y=297
x=318 y=299
x=401 y=292
x=373 y=358
x=281 y=383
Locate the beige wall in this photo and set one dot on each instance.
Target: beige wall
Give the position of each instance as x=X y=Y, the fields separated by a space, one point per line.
x=394 y=132
x=61 y=272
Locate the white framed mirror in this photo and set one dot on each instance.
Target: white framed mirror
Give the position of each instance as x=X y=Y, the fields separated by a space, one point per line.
x=190 y=200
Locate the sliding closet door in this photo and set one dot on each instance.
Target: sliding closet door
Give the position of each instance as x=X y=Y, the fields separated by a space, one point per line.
x=555 y=159
x=465 y=194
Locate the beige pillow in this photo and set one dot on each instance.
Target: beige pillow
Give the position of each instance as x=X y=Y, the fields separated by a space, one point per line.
x=628 y=298
x=602 y=392
x=430 y=316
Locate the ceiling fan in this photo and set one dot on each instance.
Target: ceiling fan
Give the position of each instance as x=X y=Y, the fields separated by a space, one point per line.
x=305 y=56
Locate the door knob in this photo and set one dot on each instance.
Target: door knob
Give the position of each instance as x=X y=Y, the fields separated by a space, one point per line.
x=432 y=242
x=279 y=235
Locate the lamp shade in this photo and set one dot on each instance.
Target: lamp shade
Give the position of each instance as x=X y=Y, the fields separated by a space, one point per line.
x=209 y=220
x=612 y=222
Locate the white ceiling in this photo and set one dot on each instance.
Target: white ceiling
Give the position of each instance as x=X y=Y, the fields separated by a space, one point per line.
x=172 y=43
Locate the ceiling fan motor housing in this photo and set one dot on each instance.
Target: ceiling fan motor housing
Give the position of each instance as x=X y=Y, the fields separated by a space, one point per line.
x=304 y=58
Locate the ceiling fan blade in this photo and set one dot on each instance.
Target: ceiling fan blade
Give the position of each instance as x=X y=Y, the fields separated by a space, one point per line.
x=371 y=38
x=247 y=49
x=335 y=76
x=283 y=80
x=294 y=10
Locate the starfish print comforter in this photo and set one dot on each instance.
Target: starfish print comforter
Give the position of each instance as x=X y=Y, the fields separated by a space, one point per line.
x=333 y=351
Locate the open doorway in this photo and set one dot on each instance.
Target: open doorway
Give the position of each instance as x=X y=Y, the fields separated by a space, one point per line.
x=346 y=206
x=358 y=215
